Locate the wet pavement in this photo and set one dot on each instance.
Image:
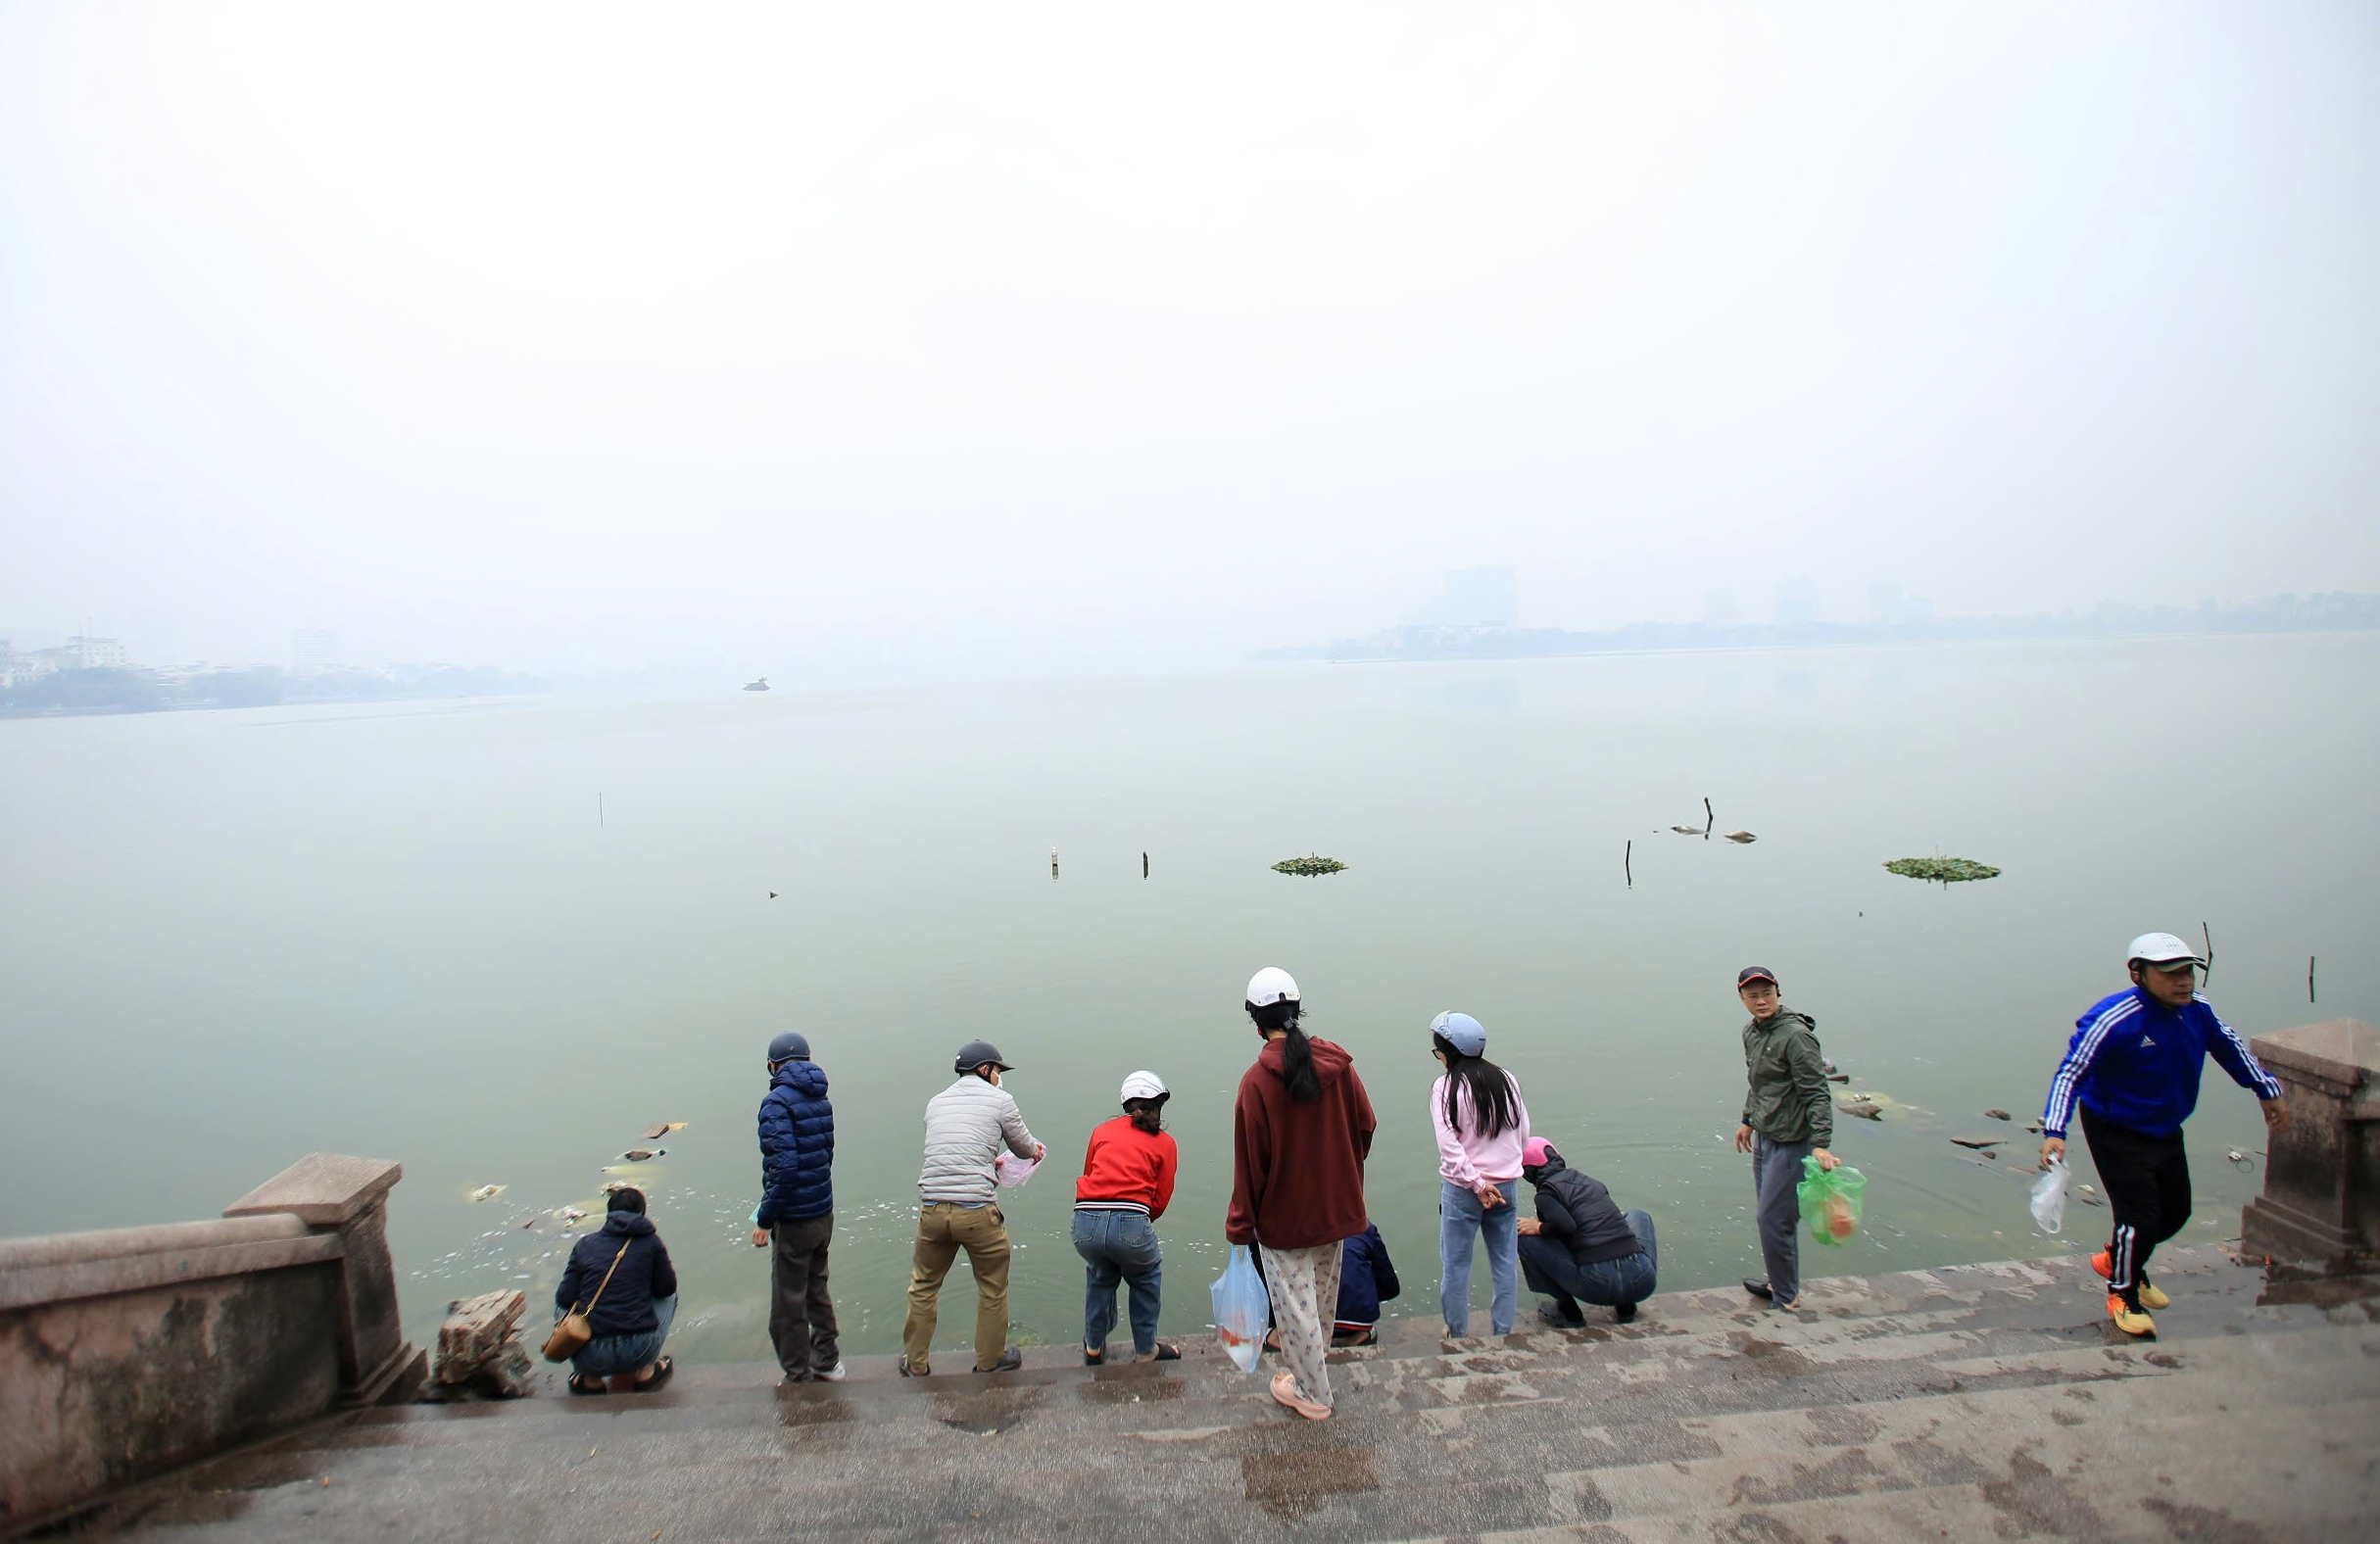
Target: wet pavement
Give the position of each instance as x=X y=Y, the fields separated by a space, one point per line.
x=1985 y=1402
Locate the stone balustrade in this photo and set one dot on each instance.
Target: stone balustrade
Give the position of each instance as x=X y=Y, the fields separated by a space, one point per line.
x=129 y=1352
x=2321 y=1200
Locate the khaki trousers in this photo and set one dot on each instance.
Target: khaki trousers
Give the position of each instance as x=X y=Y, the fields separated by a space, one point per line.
x=944 y=1229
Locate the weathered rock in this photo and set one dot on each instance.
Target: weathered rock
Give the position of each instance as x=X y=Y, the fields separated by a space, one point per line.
x=509 y=1373
x=473 y=1331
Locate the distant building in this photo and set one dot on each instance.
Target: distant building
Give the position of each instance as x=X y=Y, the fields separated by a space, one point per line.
x=1887 y=607
x=1796 y=603
x=313 y=650
x=1721 y=609
x=95 y=653
x=1487 y=596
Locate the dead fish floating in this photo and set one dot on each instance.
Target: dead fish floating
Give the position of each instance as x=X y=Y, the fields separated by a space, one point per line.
x=1741 y=836
x=1839 y=1077
x=1981 y=1144
x=1863 y=1109
x=640 y=1154
x=529 y=1221
x=487 y=1193
x=570 y=1213
x=655 y=1134
x=615 y=1187
x=1691 y=830
x=1997 y=1115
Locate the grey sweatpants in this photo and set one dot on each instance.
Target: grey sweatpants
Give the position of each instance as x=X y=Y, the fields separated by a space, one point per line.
x=1776 y=1167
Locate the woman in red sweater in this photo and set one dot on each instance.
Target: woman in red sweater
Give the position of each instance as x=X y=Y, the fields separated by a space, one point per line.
x=1128 y=1179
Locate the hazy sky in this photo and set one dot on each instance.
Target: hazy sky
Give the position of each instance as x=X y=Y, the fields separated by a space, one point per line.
x=584 y=335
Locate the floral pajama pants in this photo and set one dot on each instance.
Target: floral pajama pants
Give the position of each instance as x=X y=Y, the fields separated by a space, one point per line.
x=1304 y=1287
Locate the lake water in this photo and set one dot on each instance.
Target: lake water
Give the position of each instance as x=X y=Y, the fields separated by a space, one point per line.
x=231 y=938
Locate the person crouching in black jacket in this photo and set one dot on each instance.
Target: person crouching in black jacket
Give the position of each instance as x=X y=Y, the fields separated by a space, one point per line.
x=630 y=1312
x=1579 y=1246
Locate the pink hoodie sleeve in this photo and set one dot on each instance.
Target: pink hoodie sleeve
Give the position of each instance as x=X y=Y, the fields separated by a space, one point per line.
x=1454 y=1164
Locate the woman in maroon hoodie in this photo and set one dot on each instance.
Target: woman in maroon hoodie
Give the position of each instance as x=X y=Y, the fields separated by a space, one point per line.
x=1300 y=1133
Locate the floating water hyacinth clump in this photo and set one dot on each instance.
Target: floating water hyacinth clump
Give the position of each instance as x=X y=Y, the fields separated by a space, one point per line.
x=1309 y=864
x=1947 y=870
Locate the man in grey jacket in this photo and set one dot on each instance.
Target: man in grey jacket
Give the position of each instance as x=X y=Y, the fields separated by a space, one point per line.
x=967 y=1127
x=1788 y=1116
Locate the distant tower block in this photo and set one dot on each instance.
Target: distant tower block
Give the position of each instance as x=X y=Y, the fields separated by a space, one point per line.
x=313 y=650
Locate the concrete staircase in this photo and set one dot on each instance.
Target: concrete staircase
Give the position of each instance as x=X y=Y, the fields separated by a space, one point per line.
x=1982 y=1402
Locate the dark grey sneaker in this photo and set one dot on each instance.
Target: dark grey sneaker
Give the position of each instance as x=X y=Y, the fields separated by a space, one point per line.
x=1758 y=1288
x=1010 y=1359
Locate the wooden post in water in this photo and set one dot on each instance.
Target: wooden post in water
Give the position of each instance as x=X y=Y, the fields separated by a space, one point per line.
x=2310 y=978
x=2209 y=968
x=1628 y=862
x=599 y=811
x=1707 y=819
x=1145 y=865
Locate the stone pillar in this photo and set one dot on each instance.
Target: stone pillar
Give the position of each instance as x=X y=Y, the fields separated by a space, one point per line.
x=2321 y=1200
x=332 y=1194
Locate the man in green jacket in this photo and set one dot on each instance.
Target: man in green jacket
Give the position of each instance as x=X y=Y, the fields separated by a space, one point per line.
x=1788 y=1115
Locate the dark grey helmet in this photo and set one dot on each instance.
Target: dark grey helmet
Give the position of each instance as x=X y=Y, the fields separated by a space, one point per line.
x=975 y=1053
x=788 y=1046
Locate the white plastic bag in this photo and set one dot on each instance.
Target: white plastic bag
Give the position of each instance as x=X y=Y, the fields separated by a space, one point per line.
x=1243 y=1310
x=1012 y=1170
x=2050 y=1196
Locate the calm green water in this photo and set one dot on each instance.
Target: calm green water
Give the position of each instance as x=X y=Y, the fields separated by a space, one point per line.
x=227 y=939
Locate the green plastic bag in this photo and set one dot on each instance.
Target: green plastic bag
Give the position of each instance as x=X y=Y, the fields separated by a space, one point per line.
x=1831 y=1201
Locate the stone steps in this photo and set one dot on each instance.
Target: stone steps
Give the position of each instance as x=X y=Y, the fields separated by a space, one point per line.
x=1978 y=1400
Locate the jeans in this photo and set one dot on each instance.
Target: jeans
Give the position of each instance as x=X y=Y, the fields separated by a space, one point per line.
x=1776 y=1169
x=800 y=1314
x=1553 y=1270
x=944 y=1229
x=615 y=1355
x=1459 y=1218
x=1118 y=1246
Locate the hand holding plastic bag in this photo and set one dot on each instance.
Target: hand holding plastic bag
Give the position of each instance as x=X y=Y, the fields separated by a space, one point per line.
x=1011 y=1171
x=1831 y=1201
x=1243 y=1311
x=2050 y=1195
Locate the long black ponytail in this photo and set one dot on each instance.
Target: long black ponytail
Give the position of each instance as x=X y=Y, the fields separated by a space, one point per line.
x=1296 y=1051
x=1493 y=1099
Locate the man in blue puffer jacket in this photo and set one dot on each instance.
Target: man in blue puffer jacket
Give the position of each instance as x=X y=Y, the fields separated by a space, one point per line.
x=798 y=1210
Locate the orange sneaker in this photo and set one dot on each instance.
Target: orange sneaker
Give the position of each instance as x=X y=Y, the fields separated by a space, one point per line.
x=2150 y=1296
x=2131 y=1321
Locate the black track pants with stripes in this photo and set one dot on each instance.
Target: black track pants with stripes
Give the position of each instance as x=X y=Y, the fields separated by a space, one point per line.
x=2148 y=1184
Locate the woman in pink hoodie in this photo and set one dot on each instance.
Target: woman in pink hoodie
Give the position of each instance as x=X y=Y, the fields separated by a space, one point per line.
x=1482 y=1126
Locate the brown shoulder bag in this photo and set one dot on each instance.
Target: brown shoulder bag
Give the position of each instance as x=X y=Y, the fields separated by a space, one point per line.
x=571 y=1331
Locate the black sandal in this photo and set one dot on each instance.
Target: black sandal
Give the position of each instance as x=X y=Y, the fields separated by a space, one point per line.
x=662 y=1368
x=579 y=1384
x=1092 y=1358
x=1163 y=1353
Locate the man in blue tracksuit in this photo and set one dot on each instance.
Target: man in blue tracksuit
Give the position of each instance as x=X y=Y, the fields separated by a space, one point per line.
x=798 y=1210
x=2133 y=1067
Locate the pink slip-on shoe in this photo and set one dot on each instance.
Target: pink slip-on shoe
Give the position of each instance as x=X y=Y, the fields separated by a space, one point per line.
x=1285 y=1389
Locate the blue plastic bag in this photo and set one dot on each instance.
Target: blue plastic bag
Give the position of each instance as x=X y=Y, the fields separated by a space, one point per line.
x=1243 y=1311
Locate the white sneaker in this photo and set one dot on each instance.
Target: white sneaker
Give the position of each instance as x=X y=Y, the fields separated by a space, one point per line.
x=833 y=1375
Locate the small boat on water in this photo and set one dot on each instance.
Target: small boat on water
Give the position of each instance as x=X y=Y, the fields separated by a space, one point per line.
x=760 y=685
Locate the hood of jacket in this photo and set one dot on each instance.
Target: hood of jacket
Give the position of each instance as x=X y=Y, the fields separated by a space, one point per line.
x=628 y=1225
x=1539 y=1172
x=805 y=1078
x=1779 y=1020
x=1329 y=1061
